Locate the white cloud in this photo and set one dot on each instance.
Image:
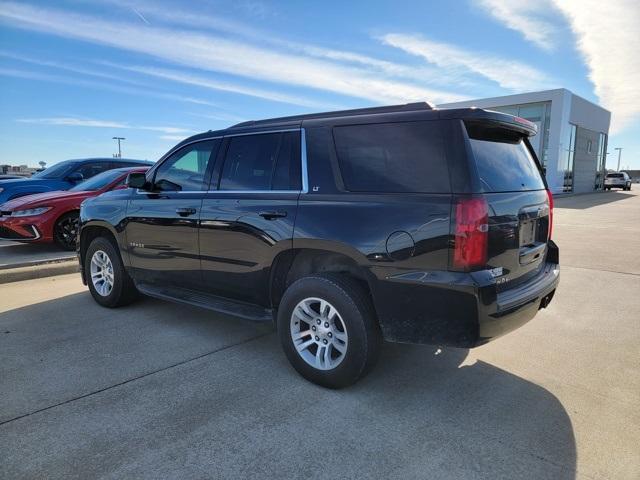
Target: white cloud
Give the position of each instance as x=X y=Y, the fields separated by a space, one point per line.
x=182 y=77
x=45 y=77
x=215 y=53
x=608 y=37
x=173 y=138
x=202 y=21
x=87 y=122
x=67 y=67
x=535 y=20
x=507 y=73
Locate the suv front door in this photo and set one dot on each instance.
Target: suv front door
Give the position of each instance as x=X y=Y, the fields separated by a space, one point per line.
x=248 y=214
x=162 y=224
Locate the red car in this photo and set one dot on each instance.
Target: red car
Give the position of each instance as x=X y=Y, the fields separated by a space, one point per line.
x=53 y=216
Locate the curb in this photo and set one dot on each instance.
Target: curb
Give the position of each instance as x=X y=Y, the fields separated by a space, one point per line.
x=42 y=270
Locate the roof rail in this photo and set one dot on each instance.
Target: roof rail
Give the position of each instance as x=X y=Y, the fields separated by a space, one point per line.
x=408 y=107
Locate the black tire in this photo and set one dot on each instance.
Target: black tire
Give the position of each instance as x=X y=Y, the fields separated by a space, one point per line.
x=357 y=314
x=123 y=290
x=65 y=229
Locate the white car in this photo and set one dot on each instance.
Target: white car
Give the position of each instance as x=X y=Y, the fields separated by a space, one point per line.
x=617 y=180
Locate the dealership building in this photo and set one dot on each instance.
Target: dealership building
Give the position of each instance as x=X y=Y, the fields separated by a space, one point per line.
x=572 y=135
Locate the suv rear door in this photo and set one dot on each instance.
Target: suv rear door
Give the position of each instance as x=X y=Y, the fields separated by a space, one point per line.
x=248 y=214
x=519 y=211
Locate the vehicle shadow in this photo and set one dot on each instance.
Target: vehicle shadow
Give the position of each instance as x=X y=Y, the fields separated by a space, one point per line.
x=584 y=201
x=510 y=427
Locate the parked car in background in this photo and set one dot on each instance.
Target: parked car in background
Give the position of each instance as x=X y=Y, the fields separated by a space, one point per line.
x=53 y=216
x=401 y=223
x=62 y=176
x=617 y=180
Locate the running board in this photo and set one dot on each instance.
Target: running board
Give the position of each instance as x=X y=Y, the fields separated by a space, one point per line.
x=208 y=301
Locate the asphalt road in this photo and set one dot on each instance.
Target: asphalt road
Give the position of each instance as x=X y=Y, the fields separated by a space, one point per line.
x=158 y=390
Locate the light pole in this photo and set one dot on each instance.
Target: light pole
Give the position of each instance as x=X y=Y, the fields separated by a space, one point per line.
x=119 y=150
x=619 y=155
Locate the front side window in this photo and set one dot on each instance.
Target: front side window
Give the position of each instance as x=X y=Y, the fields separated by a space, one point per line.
x=393 y=157
x=266 y=161
x=185 y=170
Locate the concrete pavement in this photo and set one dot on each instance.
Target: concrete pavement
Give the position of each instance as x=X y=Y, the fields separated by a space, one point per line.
x=158 y=390
x=16 y=254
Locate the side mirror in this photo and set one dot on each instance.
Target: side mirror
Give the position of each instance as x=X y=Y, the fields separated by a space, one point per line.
x=75 y=177
x=137 y=180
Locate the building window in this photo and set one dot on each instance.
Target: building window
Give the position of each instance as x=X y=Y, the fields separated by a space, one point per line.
x=540 y=114
x=601 y=156
x=589 y=146
x=568 y=155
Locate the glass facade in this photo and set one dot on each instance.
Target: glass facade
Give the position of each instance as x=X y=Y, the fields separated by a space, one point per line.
x=602 y=158
x=565 y=164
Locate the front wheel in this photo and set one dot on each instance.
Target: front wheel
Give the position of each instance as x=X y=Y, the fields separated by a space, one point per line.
x=109 y=283
x=65 y=230
x=328 y=330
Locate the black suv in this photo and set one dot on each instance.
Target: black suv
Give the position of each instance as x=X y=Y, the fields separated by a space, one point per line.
x=401 y=223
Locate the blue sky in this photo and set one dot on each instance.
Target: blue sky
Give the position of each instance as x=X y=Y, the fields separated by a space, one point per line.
x=73 y=74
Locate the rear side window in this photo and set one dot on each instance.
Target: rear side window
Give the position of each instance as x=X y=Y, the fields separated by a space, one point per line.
x=267 y=161
x=393 y=157
x=503 y=160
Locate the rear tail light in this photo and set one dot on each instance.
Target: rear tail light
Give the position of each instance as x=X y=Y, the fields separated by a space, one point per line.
x=550 y=197
x=470 y=234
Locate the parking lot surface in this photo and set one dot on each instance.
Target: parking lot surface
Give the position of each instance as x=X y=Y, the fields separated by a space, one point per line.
x=16 y=254
x=158 y=390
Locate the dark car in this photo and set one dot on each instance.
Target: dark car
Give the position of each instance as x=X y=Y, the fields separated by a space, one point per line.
x=400 y=223
x=62 y=176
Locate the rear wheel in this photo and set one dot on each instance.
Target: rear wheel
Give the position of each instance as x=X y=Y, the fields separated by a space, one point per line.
x=65 y=230
x=328 y=330
x=109 y=283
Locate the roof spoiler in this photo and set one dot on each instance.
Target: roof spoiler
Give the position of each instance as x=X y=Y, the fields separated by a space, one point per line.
x=510 y=122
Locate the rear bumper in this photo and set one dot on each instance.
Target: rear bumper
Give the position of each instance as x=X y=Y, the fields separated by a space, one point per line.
x=517 y=306
x=459 y=309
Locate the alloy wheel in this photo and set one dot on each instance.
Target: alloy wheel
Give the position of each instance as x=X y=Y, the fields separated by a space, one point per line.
x=67 y=229
x=319 y=333
x=102 y=273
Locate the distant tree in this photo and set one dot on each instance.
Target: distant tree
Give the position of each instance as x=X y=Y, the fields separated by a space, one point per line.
x=42 y=163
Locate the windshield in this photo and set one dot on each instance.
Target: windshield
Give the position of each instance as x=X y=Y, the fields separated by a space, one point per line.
x=55 y=171
x=97 y=182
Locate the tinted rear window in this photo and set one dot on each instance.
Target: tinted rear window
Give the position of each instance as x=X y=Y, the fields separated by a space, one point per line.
x=503 y=160
x=392 y=157
x=615 y=175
